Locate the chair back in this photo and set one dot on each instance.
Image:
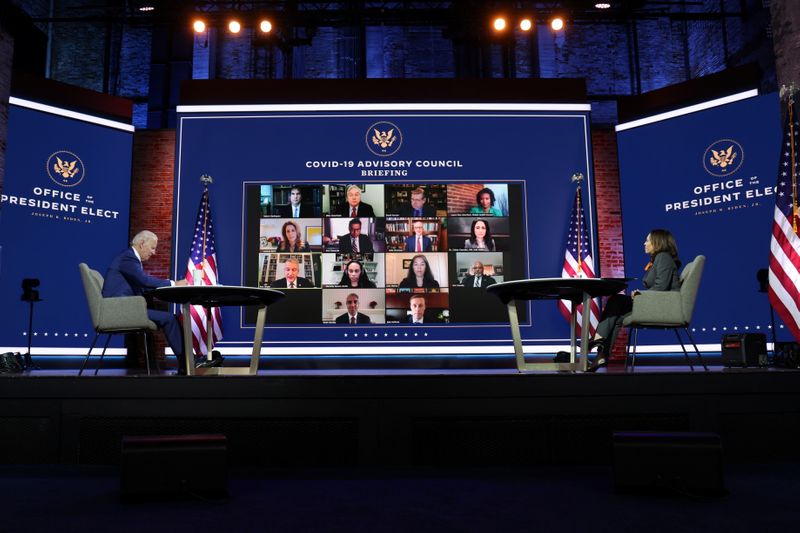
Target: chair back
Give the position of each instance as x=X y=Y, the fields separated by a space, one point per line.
x=93 y=287
x=690 y=283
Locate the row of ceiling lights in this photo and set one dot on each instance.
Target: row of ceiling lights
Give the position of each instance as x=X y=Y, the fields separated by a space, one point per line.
x=499 y=24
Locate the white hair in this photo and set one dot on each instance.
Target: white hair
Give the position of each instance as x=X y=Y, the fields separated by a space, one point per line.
x=143 y=236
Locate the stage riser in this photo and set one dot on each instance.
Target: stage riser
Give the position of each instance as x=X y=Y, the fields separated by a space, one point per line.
x=331 y=421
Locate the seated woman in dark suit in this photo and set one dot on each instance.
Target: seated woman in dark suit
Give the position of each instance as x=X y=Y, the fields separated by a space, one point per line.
x=661 y=274
x=291 y=241
x=480 y=236
x=419 y=275
x=354 y=275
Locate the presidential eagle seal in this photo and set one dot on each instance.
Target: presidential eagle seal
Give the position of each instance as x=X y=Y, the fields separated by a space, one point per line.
x=65 y=168
x=384 y=139
x=723 y=157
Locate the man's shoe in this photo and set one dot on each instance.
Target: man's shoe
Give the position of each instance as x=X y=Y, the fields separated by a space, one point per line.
x=215 y=361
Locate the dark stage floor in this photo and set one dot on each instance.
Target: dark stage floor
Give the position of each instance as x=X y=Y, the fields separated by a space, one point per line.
x=760 y=497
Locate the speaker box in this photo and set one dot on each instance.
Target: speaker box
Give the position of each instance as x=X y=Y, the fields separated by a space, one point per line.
x=173 y=466
x=668 y=462
x=744 y=349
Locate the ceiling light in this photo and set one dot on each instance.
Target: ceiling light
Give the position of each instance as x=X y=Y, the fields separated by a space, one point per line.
x=499 y=24
x=557 y=24
x=265 y=26
x=234 y=26
x=602 y=5
x=525 y=24
x=199 y=26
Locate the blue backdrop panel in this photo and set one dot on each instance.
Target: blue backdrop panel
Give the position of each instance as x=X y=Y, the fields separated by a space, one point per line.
x=718 y=205
x=51 y=221
x=536 y=152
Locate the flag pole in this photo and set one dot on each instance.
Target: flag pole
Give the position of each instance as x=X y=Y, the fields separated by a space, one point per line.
x=578 y=178
x=788 y=92
x=205 y=179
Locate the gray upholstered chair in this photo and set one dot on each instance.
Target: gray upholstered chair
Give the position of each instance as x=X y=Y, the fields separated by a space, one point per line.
x=667 y=310
x=126 y=314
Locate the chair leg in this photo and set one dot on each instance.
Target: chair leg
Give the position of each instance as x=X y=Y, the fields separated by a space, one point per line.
x=628 y=348
x=88 y=354
x=146 y=355
x=635 y=343
x=102 y=354
x=685 y=353
x=697 y=351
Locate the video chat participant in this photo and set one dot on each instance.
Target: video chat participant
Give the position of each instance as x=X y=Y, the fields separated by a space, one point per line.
x=418 y=207
x=418 y=242
x=126 y=277
x=354 y=242
x=417 y=305
x=355 y=276
x=480 y=236
x=419 y=275
x=295 y=208
x=352 y=316
x=354 y=207
x=477 y=279
x=485 y=200
x=291 y=241
x=291 y=279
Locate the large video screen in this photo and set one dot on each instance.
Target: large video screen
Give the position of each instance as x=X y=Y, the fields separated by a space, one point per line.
x=384 y=253
x=371 y=216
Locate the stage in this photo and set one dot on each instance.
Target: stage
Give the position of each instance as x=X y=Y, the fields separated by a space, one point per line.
x=328 y=417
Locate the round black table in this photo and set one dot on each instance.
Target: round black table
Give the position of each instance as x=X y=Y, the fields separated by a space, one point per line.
x=218 y=296
x=576 y=290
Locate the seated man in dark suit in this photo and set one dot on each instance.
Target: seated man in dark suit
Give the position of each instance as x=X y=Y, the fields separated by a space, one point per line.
x=418 y=206
x=418 y=242
x=291 y=279
x=354 y=242
x=477 y=279
x=295 y=208
x=352 y=316
x=126 y=277
x=354 y=207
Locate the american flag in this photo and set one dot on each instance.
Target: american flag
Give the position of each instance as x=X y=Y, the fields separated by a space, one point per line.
x=578 y=262
x=784 y=258
x=204 y=257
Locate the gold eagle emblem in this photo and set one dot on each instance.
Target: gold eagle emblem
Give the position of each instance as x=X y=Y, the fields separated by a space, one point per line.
x=65 y=169
x=384 y=139
x=722 y=158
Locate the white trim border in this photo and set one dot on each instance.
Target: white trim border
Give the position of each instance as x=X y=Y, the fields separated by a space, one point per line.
x=70 y=114
x=687 y=110
x=384 y=107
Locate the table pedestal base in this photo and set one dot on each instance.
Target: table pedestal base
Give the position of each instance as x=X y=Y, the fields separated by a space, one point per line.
x=575 y=364
x=252 y=370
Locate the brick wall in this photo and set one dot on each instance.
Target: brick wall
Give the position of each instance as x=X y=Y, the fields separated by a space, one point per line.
x=786 y=36
x=152 y=193
x=461 y=197
x=609 y=221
